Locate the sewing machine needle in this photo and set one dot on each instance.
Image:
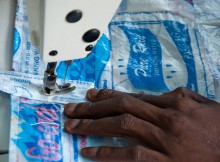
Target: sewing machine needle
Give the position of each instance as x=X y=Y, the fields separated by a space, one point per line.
x=67 y=66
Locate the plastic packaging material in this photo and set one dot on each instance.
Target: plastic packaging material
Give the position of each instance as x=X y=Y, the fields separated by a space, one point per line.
x=151 y=46
x=30 y=86
x=37 y=134
x=158 y=51
x=163 y=55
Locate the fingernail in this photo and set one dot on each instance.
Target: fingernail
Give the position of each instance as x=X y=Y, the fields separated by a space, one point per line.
x=93 y=93
x=69 y=108
x=71 y=124
x=89 y=152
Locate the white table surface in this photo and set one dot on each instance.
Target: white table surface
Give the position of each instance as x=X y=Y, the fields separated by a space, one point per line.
x=7 y=14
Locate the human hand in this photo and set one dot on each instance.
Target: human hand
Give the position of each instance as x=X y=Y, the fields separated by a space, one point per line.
x=180 y=126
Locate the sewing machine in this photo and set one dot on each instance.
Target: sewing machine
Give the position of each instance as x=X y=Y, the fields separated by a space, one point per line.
x=65 y=30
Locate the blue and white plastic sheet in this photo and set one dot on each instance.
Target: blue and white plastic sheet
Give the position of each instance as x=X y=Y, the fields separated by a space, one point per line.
x=151 y=46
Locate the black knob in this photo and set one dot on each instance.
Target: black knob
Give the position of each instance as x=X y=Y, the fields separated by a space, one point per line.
x=74 y=16
x=91 y=35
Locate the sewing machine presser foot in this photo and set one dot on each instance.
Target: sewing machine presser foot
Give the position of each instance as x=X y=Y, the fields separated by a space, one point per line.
x=51 y=88
x=60 y=89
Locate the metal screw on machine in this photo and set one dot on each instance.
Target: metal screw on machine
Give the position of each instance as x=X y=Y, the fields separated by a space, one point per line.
x=89 y=48
x=91 y=35
x=74 y=16
x=53 y=53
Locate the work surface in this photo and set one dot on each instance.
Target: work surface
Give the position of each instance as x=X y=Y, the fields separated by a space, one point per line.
x=7 y=14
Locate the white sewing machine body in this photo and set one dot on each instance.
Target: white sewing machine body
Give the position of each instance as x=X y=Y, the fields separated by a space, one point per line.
x=68 y=29
x=65 y=30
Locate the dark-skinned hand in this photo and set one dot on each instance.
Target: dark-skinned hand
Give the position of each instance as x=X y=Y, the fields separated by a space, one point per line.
x=179 y=126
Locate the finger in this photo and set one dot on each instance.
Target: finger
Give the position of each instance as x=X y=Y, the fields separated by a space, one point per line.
x=162 y=101
x=95 y=95
x=113 y=107
x=126 y=126
x=135 y=153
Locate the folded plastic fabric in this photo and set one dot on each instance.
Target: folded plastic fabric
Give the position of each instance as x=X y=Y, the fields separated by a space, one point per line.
x=37 y=134
x=153 y=46
x=29 y=86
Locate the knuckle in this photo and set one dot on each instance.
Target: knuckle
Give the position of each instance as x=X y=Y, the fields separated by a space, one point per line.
x=140 y=96
x=125 y=122
x=176 y=120
x=104 y=92
x=158 y=134
x=124 y=102
x=83 y=108
x=179 y=103
x=88 y=125
x=80 y=105
x=183 y=104
x=138 y=153
x=181 y=92
x=67 y=109
x=90 y=109
x=102 y=151
x=171 y=115
x=88 y=128
x=179 y=119
x=87 y=122
x=77 y=108
x=197 y=113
